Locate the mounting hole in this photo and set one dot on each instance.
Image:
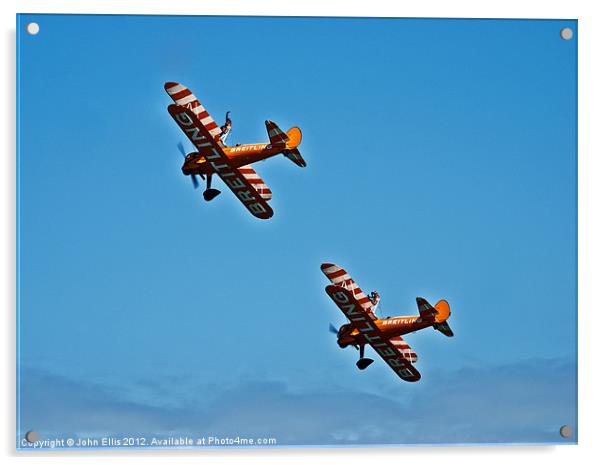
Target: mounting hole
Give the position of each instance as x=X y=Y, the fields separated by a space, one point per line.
x=32 y=28
x=566 y=33
x=566 y=431
x=32 y=436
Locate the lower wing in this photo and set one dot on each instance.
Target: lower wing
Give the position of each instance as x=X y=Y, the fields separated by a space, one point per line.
x=258 y=184
x=398 y=358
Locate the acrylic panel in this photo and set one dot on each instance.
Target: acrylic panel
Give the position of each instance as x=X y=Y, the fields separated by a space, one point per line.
x=272 y=231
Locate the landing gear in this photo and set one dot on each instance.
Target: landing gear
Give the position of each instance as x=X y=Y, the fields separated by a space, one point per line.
x=363 y=362
x=209 y=193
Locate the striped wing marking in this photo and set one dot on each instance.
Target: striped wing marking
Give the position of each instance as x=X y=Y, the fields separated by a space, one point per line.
x=183 y=96
x=339 y=277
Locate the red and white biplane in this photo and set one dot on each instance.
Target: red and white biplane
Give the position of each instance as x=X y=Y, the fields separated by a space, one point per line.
x=384 y=335
x=231 y=164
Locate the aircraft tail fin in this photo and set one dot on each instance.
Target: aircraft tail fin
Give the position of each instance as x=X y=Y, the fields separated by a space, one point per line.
x=294 y=137
x=292 y=152
x=443 y=313
x=288 y=141
x=437 y=314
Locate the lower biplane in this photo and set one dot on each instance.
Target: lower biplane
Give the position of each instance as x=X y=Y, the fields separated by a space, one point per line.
x=231 y=164
x=384 y=335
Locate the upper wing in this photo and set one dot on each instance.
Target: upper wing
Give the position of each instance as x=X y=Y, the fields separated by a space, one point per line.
x=258 y=184
x=339 y=277
x=213 y=153
x=184 y=97
x=394 y=351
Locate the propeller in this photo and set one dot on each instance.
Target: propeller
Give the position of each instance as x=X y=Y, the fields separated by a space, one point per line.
x=181 y=149
x=195 y=181
x=333 y=329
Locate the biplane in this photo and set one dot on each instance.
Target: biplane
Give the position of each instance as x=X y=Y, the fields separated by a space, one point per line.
x=231 y=164
x=383 y=334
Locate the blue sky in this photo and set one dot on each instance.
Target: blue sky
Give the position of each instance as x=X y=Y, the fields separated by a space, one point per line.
x=441 y=163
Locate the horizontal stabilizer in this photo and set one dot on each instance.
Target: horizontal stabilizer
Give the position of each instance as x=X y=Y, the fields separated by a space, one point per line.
x=427 y=311
x=295 y=156
x=277 y=136
x=444 y=328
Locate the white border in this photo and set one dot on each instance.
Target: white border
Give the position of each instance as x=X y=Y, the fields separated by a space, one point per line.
x=590 y=231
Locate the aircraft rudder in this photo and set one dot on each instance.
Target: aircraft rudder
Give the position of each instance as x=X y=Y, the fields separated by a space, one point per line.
x=443 y=311
x=294 y=137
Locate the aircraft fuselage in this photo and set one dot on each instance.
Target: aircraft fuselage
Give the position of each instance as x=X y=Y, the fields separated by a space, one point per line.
x=389 y=327
x=239 y=155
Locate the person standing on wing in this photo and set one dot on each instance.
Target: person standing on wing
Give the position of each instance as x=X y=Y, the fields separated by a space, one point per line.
x=226 y=128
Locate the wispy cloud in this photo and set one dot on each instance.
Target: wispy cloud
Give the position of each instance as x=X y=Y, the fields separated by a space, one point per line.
x=520 y=403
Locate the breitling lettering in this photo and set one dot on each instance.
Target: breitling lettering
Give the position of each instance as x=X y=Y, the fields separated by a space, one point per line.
x=398 y=321
x=247 y=148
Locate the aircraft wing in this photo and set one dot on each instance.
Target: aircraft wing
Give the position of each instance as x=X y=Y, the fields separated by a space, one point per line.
x=258 y=184
x=183 y=96
x=404 y=349
x=393 y=351
x=209 y=148
x=339 y=277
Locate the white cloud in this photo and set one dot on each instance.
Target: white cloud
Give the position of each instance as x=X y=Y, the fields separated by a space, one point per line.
x=520 y=403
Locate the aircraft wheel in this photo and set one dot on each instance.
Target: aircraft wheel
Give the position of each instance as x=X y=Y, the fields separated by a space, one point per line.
x=364 y=363
x=210 y=194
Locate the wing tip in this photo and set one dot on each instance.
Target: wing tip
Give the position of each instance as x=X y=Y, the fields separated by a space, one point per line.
x=324 y=266
x=264 y=216
x=170 y=84
x=413 y=377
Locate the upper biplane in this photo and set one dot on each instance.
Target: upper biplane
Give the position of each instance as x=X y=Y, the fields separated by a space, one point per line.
x=231 y=164
x=384 y=335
